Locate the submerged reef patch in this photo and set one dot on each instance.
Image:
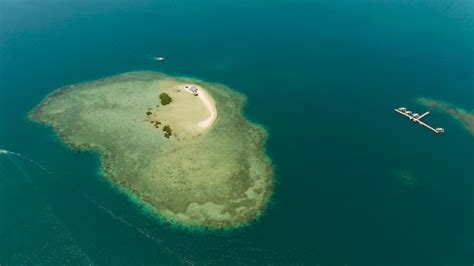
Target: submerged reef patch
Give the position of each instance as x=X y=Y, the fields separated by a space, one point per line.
x=196 y=160
x=405 y=177
x=463 y=116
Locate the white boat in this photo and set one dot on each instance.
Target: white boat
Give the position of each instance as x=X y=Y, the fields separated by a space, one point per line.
x=159 y=58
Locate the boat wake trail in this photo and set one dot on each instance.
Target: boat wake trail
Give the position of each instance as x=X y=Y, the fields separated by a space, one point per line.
x=12 y=155
x=120 y=219
x=142 y=231
x=21 y=163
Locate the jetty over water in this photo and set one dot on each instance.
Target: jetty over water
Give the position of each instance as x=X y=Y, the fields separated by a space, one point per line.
x=415 y=117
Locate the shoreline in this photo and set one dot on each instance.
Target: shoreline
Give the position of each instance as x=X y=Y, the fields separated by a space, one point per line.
x=203 y=95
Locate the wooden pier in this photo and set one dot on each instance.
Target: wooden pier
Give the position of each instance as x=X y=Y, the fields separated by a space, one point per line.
x=417 y=119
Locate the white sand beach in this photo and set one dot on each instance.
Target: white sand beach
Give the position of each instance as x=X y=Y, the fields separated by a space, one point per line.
x=208 y=102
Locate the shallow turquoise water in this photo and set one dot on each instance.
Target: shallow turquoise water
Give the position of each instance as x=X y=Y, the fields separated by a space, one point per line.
x=321 y=76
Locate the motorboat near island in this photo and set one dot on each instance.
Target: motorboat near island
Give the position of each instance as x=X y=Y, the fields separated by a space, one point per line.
x=415 y=117
x=159 y=58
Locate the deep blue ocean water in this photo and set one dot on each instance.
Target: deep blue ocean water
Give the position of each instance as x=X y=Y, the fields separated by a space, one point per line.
x=322 y=77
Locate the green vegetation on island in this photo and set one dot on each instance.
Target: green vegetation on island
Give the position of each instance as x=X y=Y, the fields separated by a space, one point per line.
x=168 y=131
x=165 y=98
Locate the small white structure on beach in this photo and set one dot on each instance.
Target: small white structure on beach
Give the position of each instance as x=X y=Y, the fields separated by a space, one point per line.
x=194 y=90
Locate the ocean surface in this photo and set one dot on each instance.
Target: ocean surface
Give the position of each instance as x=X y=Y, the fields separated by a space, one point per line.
x=323 y=77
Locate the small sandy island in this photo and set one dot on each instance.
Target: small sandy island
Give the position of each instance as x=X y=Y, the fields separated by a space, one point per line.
x=181 y=146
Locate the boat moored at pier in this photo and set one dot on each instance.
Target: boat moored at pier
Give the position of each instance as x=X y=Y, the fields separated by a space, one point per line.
x=415 y=117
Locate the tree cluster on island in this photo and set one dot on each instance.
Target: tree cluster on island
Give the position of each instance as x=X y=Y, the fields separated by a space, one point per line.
x=168 y=131
x=156 y=123
x=165 y=98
